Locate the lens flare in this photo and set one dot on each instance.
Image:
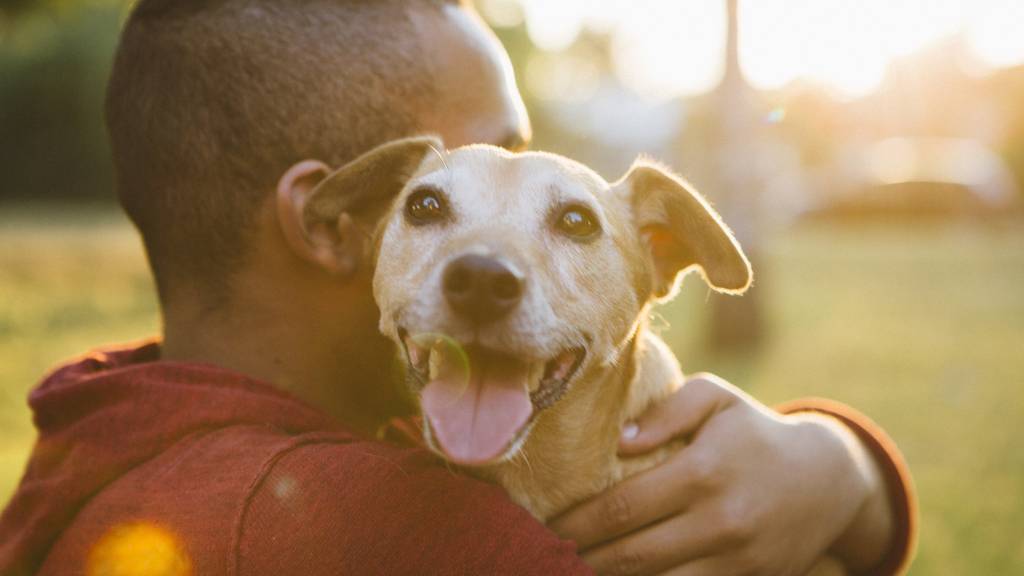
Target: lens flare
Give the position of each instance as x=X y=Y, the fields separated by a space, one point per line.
x=775 y=116
x=448 y=359
x=139 y=549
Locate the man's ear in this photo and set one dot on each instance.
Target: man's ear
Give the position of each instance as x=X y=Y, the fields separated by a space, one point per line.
x=327 y=216
x=682 y=232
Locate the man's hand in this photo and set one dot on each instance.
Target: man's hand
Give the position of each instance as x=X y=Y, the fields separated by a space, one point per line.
x=753 y=492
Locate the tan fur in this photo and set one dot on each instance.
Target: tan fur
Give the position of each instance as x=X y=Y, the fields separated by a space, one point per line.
x=595 y=294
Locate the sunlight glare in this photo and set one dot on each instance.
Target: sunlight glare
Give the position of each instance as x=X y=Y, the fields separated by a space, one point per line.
x=914 y=24
x=671 y=47
x=995 y=33
x=554 y=26
x=841 y=44
x=848 y=46
x=667 y=48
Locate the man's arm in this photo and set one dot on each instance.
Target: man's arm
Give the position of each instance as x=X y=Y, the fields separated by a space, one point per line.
x=369 y=508
x=754 y=491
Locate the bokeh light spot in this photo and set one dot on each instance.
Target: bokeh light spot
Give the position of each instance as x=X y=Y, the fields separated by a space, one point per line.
x=994 y=34
x=138 y=549
x=775 y=116
x=284 y=487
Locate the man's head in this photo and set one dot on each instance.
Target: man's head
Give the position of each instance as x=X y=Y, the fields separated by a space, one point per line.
x=210 y=102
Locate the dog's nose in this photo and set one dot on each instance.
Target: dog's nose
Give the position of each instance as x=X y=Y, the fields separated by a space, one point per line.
x=480 y=288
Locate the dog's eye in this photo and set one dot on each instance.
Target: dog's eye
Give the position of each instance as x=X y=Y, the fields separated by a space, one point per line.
x=425 y=205
x=579 y=223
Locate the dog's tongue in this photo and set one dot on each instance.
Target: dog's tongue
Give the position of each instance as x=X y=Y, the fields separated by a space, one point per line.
x=475 y=411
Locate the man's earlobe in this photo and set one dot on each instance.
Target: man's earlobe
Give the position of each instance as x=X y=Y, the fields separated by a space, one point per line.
x=328 y=216
x=682 y=232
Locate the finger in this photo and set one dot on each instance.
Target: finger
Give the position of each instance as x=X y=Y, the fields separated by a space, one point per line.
x=681 y=414
x=643 y=499
x=677 y=542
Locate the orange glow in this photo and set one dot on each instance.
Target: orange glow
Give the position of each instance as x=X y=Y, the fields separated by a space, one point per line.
x=138 y=549
x=667 y=48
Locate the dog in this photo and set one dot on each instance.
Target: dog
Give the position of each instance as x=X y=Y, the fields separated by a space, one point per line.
x=517 y=287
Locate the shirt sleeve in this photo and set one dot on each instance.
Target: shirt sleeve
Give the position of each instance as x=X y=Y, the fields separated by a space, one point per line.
x=371 y=508
x=898 y=482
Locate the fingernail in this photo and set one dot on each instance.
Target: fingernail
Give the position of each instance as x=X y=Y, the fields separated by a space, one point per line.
x=629 y=431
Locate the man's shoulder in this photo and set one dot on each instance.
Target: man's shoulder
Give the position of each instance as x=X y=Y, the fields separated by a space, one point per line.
x=195 y=491
x=256 y=499
x=372 y=506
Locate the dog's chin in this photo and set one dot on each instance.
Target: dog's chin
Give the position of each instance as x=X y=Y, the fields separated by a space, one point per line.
x=480 y=404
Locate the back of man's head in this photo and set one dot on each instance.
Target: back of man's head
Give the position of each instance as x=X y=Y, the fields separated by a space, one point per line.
x=211 y=100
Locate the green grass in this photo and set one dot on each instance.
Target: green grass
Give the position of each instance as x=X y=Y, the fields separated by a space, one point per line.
x=921 y=327
x=70 y=279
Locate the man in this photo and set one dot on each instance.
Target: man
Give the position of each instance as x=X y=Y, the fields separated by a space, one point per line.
x=242 y=443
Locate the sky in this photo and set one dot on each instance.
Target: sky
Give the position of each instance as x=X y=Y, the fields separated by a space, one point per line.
x=667 y=48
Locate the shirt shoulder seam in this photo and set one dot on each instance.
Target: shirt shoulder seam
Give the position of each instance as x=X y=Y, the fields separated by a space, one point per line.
x=234 y=551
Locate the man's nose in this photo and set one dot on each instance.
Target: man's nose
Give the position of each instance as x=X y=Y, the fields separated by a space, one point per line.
x=481 y=288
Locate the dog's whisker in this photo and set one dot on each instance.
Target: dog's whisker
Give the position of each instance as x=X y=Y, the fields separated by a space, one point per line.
x=526 y=460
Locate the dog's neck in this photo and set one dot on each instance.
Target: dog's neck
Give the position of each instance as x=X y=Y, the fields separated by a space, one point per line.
x=571 y=451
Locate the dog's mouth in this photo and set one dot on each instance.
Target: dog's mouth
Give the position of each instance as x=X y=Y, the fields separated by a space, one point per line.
x=479 y=403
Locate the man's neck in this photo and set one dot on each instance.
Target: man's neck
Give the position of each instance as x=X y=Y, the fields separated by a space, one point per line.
x=338 y=364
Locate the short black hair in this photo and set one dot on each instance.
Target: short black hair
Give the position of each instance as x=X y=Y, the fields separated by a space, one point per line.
x=210 y=101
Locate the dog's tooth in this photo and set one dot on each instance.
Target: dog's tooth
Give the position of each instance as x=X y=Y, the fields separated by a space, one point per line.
x=415 y=354
x=536 y=375
x=435 y=361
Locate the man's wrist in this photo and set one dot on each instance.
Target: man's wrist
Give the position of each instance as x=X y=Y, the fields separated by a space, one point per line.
x=897 y=494
x=864 y=543
x=857 y=483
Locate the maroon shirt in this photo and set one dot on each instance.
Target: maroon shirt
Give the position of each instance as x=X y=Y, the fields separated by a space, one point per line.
x=235 y=477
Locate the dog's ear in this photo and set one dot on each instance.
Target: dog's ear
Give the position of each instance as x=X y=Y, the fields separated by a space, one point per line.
x=682 y=232
x=328 y=216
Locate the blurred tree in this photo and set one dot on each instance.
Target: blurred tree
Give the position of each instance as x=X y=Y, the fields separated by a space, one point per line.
x=1009 y=86
x=12 y=8
x=18 y=8
x=737 y=323
x=54 y=64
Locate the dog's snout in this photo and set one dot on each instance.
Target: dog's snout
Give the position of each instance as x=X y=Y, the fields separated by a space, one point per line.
x=481 y=288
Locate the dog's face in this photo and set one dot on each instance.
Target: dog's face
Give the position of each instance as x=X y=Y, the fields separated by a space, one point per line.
x=502 y=275
x=505 y=277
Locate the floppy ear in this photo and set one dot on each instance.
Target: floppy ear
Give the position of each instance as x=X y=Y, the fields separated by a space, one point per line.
x=328 y=216
x=682 y=232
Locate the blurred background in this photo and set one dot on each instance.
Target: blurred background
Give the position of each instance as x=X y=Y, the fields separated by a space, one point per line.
x=869 y=155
